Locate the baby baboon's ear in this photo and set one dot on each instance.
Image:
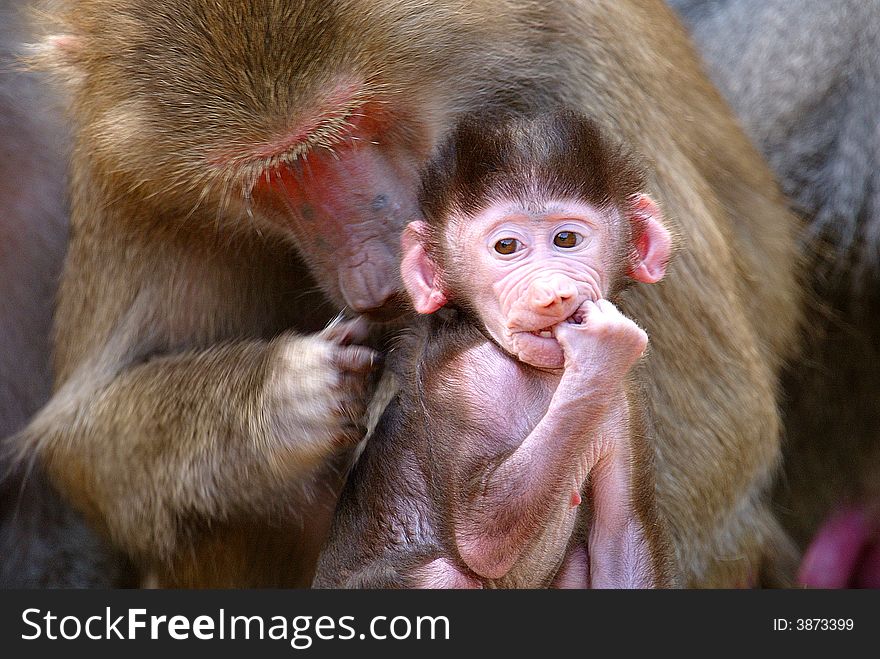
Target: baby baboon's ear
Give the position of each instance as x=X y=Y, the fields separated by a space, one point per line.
x=419 y=272
x=652 y=242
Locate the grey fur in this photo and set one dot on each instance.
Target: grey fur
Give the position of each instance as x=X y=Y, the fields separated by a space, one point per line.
x=43 y=542
x=804 y=78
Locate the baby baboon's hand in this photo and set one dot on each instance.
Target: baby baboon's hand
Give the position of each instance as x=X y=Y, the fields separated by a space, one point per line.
x=605 y=344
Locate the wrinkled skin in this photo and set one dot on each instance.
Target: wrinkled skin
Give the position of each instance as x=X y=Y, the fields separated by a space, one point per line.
x=528 y=292
x=504 y=505
x=522 y=294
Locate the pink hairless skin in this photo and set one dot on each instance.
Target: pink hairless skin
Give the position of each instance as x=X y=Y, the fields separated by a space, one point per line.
x=506 y=508
x=547 y=306
x=845 y=552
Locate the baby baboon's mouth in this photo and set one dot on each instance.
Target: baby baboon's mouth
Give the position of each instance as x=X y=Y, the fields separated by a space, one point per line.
x=577 y=318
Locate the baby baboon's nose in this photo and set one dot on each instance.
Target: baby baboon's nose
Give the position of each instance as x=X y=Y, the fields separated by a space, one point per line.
x=546 y=294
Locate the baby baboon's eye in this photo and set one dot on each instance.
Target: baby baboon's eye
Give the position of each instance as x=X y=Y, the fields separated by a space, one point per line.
x=507 y=246
x=567 y=239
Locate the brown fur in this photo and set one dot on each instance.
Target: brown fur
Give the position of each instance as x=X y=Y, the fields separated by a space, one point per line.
x=173 y=292
x=804 y=79
x=560 y=155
